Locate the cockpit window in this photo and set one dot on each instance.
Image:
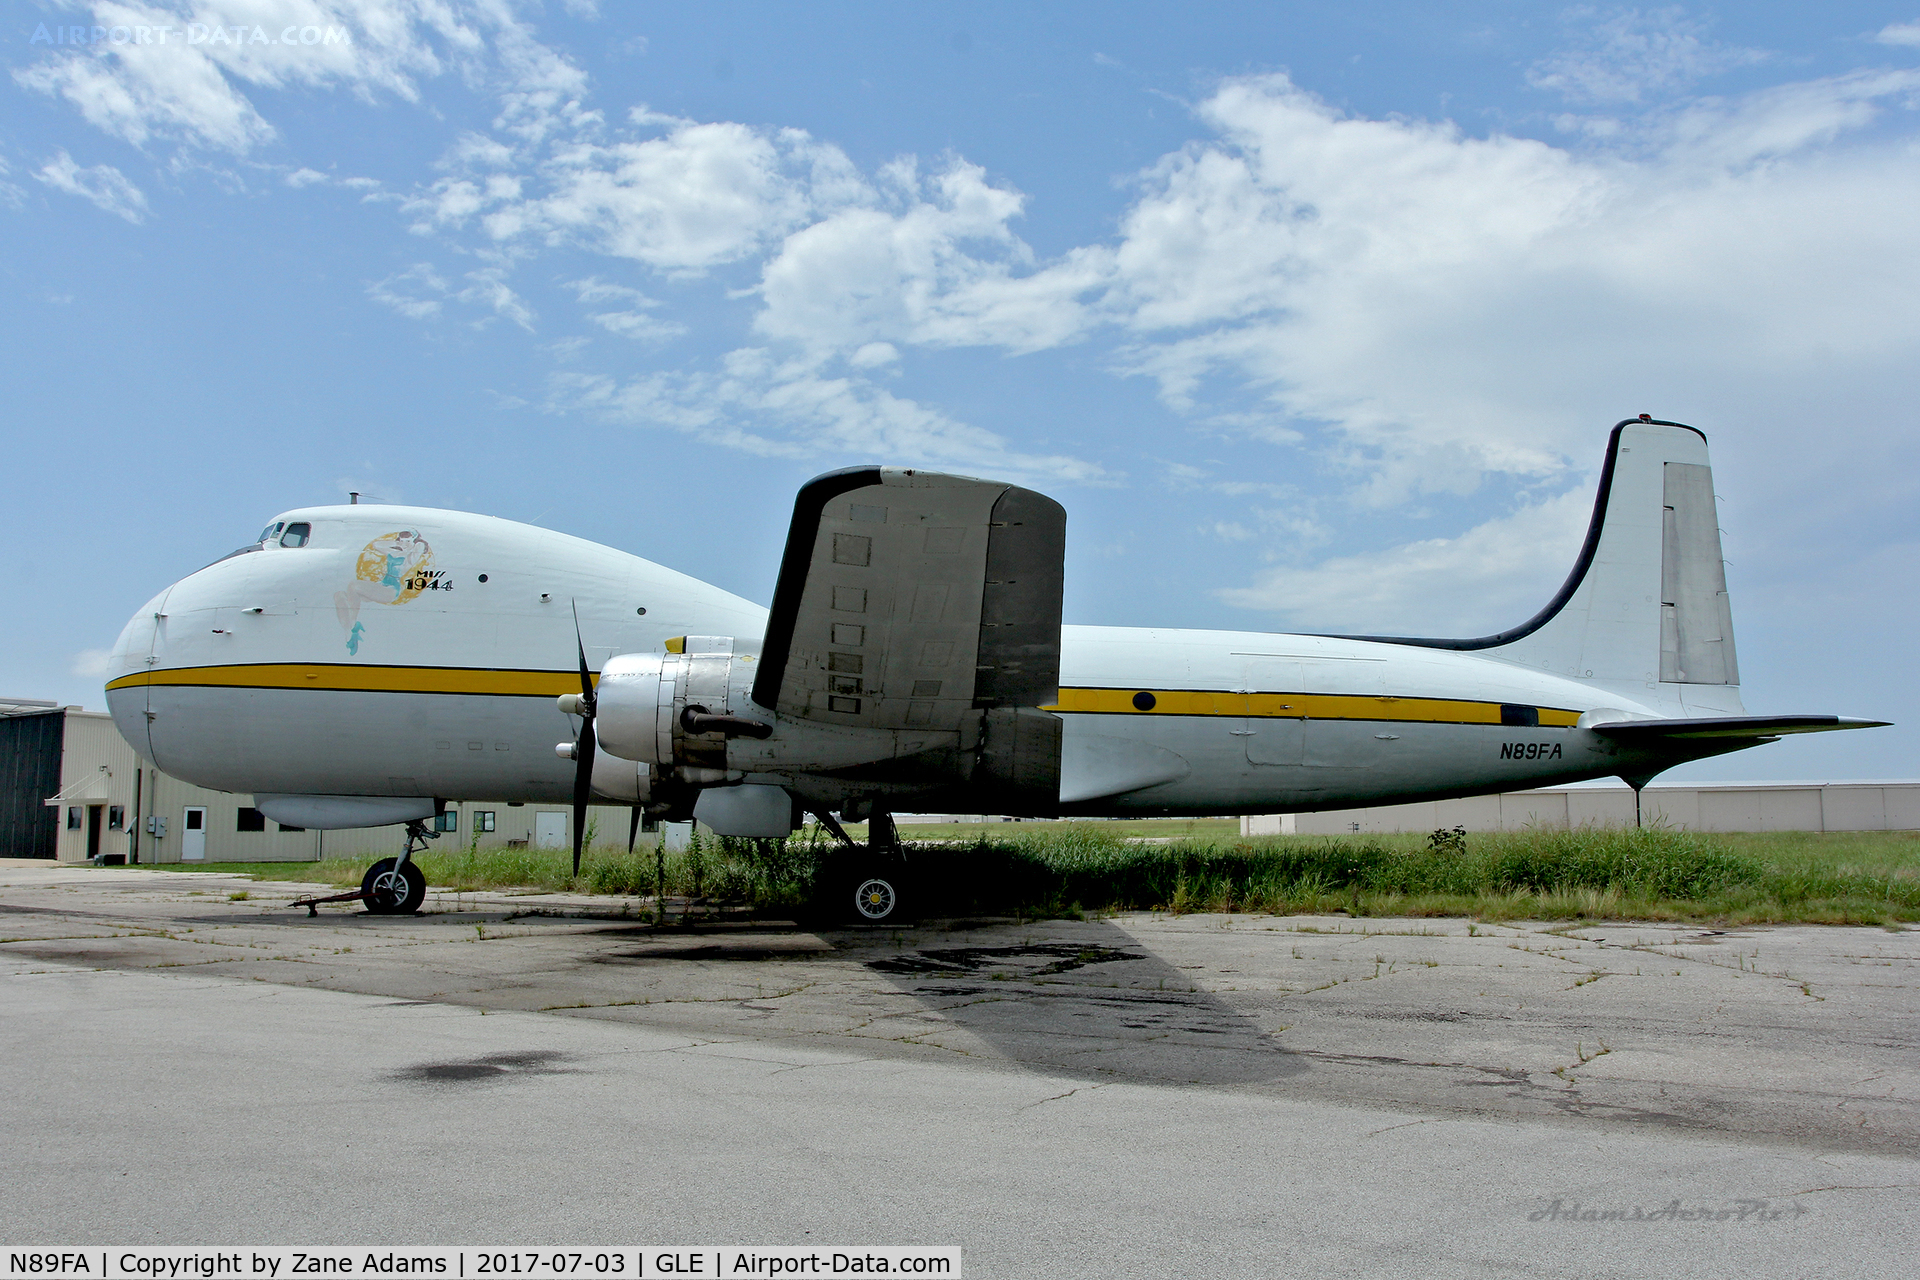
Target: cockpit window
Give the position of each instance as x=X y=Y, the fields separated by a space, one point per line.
x=297 y=534
x=271 y=532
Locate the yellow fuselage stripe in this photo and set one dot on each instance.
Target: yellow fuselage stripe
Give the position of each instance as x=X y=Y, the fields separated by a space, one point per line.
x=345 y=677
x=547 y=684
x=1295 y=706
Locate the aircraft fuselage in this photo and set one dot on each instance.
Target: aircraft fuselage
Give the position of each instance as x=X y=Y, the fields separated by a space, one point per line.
x=417 y=652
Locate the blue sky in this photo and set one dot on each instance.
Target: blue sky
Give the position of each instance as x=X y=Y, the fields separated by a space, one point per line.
x=1315 y=316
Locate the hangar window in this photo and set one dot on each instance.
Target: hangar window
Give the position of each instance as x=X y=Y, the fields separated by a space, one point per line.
x=116 y=817
x=284 y=827
x=297 y=534
x=447 y=820
x=248 y=819
x=483 y=819
x=73 y=817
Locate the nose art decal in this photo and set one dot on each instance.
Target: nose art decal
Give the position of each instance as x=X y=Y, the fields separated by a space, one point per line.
x=392 y=569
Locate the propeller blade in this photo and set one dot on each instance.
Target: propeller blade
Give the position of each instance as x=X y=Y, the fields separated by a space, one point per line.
x=633 y=830
x=583 y=757
x=586 y=677
x=582 y=790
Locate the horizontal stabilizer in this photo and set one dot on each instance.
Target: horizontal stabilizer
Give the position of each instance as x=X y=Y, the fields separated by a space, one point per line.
x=1647 y=732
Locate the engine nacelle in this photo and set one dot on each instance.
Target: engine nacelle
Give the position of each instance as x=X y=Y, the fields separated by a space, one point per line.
x=675 y=711
x=690 y=715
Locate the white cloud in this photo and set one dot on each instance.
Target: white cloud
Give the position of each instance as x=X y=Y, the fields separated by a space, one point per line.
x=931 y=261
x=637 y=325
x=1432 y=306
x=1492 y=576
x=103 y=184
x=191 y=86
x=700 y=196
x=762 y=404
x=419 y=293
x=10 y=195
x=545 y=90
x=91 y=662
x=191 y=71
x=1413 y=306
x=1900 y=33
x=633 y=322
x=1416 y=306
x=594 y=289
x=411 y=292
x=305 y=178
x=1633 y=54
x=489 y=288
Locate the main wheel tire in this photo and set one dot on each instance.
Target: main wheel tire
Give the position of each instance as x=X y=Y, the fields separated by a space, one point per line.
x=394 y=893
x=878 y=895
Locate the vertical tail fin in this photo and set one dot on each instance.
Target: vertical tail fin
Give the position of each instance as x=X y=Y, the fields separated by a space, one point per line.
x=1645 y=609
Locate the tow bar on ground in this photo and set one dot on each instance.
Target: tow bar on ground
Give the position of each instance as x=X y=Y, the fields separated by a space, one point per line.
x=313 y=904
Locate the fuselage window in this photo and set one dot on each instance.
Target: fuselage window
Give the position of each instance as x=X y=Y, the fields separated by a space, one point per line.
x=297 y=534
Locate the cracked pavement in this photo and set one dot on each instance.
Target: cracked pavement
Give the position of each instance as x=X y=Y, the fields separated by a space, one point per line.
x=1780 y=1044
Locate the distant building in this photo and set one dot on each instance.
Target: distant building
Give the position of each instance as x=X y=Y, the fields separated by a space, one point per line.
x=31 y=734
x=71 y=788
x=1705 y=806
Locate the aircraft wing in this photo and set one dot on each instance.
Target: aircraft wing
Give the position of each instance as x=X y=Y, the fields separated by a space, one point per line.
x=1649 y=732
x=913 y=600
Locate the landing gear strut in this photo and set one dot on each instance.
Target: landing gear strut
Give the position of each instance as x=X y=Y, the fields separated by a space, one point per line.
x=868 y=885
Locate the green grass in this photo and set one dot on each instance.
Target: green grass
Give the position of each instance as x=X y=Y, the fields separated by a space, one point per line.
x=1071 y=868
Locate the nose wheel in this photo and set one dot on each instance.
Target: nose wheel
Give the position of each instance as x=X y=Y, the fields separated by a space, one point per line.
x=392 y=890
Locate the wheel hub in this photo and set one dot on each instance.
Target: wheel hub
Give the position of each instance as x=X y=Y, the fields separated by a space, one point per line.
x=874 y=898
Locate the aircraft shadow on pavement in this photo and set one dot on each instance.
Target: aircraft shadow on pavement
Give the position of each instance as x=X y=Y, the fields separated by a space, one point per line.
x=1086 y=1000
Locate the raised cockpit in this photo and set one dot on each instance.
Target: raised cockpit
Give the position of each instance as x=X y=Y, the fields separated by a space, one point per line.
x=280 y=533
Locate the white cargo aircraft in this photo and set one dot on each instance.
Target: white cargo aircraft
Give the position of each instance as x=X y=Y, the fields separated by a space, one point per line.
x=363 y=665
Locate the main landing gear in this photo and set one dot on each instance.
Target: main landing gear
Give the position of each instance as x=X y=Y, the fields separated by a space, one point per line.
x=868 y=885
x=392 y=886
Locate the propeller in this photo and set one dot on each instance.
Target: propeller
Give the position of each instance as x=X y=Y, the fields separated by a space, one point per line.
x=584 y=749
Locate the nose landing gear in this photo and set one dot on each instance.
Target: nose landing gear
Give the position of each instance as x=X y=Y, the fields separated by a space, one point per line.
x=392 y=886
x=397 y=886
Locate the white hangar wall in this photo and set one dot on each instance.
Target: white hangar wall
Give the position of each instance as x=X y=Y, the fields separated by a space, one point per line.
x=113 y=804
x=1735 y=806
